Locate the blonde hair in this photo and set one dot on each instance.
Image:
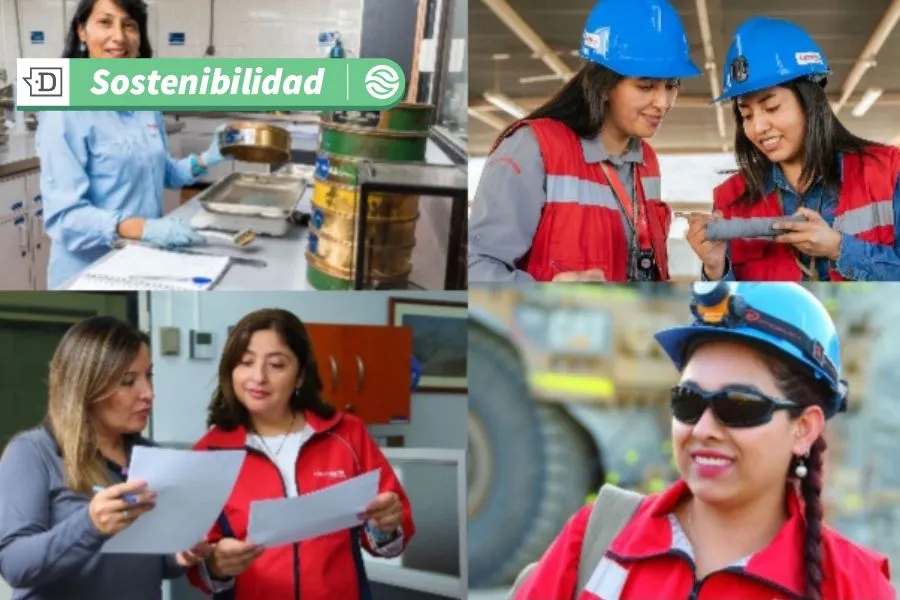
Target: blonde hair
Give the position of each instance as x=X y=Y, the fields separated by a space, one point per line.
x=87 y=368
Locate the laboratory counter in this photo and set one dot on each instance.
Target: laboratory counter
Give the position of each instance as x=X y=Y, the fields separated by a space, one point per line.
x=284 y=256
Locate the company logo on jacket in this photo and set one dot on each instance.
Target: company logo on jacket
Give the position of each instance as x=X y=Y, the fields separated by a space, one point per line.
x=333 y=474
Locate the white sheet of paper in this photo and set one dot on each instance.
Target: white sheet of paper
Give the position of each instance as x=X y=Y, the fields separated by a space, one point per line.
x=192 y=488
x=285 y=521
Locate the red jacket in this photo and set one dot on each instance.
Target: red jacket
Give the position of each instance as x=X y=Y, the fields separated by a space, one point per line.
x=643 y=558
x=866 y=184
x=323 y=568
x=577 y=233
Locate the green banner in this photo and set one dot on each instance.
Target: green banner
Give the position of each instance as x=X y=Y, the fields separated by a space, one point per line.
x=218 y=84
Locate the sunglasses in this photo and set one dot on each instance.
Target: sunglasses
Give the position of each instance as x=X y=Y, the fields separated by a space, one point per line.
x=734 y=406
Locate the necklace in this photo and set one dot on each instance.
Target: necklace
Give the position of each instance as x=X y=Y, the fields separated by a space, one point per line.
x=283 y=439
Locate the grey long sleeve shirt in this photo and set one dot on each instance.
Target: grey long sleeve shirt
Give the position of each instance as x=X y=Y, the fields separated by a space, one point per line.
x=49 y=547
x=510 y=198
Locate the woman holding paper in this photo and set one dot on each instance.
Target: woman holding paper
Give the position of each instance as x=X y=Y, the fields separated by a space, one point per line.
x=52 y=522
x=103 y=173
x=268 y=400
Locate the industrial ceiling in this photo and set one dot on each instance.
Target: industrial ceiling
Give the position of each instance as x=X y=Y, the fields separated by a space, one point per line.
x=520 y=52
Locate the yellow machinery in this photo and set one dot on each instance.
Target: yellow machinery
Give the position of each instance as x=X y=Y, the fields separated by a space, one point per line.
x=568 y=389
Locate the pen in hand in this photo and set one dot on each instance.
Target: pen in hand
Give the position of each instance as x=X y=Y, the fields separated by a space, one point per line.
x=129 y=498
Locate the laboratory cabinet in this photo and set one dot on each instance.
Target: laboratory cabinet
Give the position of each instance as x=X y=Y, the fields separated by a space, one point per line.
x=365 y=369
x=20 y=208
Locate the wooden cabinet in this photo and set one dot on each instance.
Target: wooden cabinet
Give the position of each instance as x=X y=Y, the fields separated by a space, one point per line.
x=365 y=369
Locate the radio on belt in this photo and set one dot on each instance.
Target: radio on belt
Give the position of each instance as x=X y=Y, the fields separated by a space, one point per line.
x=202 y=345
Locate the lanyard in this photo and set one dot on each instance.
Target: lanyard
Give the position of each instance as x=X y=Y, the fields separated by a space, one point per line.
x=642 y=228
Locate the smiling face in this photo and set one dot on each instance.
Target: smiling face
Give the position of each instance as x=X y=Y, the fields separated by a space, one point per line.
x=637 y=106
x=110 y=32
x=267 y=375
x=724 y=465
x=774 y=122
x=127 y=409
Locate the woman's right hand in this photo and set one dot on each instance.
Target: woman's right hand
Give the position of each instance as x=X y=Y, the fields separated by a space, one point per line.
x=712 y=254
x=231 y=557
x=110 y=513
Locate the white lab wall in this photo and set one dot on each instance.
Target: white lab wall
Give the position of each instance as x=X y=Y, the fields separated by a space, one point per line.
x=5 y=592
x=257 y=29
x=183 y=385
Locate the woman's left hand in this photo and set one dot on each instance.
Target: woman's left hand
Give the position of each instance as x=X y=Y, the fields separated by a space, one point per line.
x=197 y=554
x=812 y=237
x=385 y=511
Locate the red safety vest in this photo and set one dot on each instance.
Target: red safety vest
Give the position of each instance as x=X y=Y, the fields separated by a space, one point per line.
x=865 y=210
x=580 y=226
x=643 y=562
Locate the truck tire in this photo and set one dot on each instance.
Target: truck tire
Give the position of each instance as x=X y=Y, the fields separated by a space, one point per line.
x=542 y=465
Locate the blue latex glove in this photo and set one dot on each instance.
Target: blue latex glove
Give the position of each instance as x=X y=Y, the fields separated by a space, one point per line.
x=213 y=154
x=170 y=232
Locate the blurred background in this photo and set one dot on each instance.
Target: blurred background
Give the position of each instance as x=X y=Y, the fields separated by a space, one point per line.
x=569 y=390
x=521 y=52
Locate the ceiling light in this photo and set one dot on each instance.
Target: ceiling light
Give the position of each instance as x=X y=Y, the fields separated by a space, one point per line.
x=505 y=104
x=866 y=102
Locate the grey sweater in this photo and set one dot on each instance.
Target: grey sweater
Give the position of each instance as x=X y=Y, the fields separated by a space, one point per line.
x=49 y=547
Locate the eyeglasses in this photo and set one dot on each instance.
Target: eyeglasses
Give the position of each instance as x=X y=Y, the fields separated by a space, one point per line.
x=735 y=406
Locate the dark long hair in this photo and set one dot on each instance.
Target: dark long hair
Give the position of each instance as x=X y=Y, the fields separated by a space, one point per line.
x=225 y=410
x=136 y=9
x=825 y=136
x=798 y=384
x=580 y=103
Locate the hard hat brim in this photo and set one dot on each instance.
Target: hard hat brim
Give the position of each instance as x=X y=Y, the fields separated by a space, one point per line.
x=769 y=82
x=674 y=341
x=672 y=69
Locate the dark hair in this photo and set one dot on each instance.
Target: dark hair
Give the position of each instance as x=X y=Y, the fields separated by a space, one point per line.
x=225 y=410
x=824 y=138
x=798 y=384
x=580 y=103
x=136 y=9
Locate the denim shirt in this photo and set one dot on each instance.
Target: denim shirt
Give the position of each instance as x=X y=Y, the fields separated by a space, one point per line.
x=858 y=260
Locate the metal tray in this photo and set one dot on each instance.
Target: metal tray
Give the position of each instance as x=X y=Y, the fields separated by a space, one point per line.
x=298 y=170
x=269 y=195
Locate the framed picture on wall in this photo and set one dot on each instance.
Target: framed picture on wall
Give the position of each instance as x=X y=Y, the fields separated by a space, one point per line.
x=440 y=341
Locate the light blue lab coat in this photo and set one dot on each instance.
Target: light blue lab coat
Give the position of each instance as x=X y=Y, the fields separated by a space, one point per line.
x=97 y=169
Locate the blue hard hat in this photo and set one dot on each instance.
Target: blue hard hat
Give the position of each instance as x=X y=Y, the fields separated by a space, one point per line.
x=766 y=52
x=638 y=38
x=785 y=317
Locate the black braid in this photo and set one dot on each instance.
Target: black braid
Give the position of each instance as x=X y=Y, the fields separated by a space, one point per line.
x=811 y=489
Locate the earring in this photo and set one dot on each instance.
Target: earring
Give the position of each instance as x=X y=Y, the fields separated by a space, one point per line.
x=82 y=47
x=800 y=470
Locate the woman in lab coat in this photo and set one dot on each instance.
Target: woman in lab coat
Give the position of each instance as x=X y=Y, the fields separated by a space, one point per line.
x=760 y=378
x=103 y=173
x=796 y=158
x=572 y=191
x=53 y=519
x=268 y=401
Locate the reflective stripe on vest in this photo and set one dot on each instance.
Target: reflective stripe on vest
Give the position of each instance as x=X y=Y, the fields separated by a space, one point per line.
x=858 y=220
x=652 y=188
x=568 y=188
